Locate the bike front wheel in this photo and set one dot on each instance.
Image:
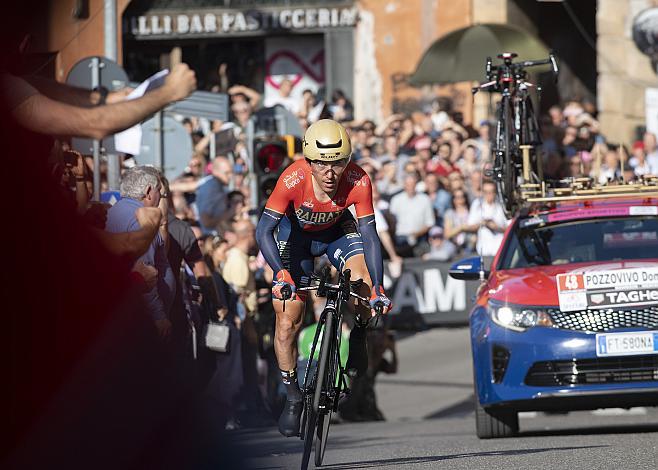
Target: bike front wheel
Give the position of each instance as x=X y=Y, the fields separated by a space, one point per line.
x=321 y=399
x=321 y=437
x=330 y=400
x=310 y=420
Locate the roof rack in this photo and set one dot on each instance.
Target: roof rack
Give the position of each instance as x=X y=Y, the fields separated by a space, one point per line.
x=580 y=188
x=584 y=188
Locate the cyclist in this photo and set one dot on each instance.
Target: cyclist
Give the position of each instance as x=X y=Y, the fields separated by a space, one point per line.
x=308 y=210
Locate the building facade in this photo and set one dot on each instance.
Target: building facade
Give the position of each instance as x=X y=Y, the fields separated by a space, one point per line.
x=366 y=48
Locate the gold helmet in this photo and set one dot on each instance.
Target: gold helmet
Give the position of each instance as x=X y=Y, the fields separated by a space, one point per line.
x=326 y=140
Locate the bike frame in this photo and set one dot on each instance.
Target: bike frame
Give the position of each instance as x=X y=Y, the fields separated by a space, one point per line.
x=330 y=321
x=323 y=388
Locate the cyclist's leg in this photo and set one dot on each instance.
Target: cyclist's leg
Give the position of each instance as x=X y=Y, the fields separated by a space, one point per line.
x=346 y=252
x=294 y=250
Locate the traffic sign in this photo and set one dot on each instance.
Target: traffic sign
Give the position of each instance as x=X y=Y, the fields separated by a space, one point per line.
x=171 y=152
x=89 y=73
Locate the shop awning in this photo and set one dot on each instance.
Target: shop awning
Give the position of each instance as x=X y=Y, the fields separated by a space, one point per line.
x=461 y=55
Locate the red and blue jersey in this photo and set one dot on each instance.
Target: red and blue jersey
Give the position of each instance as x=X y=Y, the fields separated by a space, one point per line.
x=294 y=204
x=295 y=197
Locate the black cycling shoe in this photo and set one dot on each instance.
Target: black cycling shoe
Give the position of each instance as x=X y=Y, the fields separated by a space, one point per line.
x=357 y=360
x=289 y=419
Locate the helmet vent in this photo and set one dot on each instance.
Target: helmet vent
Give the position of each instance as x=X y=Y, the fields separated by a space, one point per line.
x=329 y=146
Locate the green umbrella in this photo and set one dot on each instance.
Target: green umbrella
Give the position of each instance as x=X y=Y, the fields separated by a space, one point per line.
x=461 y=55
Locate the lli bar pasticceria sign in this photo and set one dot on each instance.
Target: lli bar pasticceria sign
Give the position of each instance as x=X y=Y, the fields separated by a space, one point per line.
x=228 y=22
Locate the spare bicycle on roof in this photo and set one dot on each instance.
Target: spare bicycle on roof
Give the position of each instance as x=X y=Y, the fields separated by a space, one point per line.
x=516 y=159
x=516 y=150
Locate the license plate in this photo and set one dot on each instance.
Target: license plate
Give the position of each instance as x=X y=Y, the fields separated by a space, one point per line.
x=627 y=344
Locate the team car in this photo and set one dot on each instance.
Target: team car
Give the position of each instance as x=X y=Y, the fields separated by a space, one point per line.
x=567 y=316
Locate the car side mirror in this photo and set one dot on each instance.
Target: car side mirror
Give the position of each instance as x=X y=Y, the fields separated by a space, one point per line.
x=469 y=269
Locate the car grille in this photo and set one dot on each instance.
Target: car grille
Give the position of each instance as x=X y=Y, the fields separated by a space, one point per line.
x=594 y=371
x=499 y=362
x=606 y=319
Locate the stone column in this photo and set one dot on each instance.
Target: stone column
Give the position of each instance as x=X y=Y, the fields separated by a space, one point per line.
x=624 y=72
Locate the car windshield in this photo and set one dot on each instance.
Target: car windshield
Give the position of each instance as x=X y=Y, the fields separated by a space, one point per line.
x=613 y=239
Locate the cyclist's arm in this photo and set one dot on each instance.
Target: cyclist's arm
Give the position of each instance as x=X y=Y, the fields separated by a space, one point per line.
x=48 y=116
x=274 y=210
x=372 y=248
x=265 y=238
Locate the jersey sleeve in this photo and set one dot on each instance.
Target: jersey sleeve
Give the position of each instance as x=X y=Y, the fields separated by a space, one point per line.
x=281 y=195
x=362 y=196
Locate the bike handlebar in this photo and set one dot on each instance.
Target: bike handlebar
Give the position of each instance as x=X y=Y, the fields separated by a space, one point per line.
x=508 y=68
x=531 y=63
x=286 y=292
x=523 y=64
x=334 y=287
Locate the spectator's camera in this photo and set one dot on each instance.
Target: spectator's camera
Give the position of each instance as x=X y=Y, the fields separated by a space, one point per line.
x=195 y=293
x=71 y=157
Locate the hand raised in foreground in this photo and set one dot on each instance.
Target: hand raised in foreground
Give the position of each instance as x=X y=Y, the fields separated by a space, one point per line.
x=180 y=82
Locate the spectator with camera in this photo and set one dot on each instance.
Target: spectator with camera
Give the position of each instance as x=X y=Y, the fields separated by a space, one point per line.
x=487 y=218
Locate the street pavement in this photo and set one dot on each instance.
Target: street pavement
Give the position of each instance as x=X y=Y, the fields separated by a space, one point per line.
x=430 y=424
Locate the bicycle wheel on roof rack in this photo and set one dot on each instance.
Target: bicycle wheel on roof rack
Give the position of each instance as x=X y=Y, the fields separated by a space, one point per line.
x=506 y=177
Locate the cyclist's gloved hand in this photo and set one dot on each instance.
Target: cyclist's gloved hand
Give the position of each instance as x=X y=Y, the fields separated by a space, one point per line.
x=283 y=279
x=378 y=295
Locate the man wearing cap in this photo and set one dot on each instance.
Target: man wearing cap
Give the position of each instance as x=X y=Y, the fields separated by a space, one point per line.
x=440 y=248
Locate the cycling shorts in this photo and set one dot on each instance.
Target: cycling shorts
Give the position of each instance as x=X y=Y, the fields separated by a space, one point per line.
x=299 y=248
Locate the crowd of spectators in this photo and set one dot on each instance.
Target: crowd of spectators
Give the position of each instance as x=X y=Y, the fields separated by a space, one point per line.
x=197 y=261
x=432 y=201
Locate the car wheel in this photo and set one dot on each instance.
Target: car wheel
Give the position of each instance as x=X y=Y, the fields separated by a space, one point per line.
x=494 y=423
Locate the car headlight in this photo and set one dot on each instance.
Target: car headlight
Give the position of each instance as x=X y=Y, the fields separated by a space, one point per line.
x=519 y=317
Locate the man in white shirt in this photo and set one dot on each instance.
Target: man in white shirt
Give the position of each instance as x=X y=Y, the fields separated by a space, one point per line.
x=487 y=218
x=413 y=213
